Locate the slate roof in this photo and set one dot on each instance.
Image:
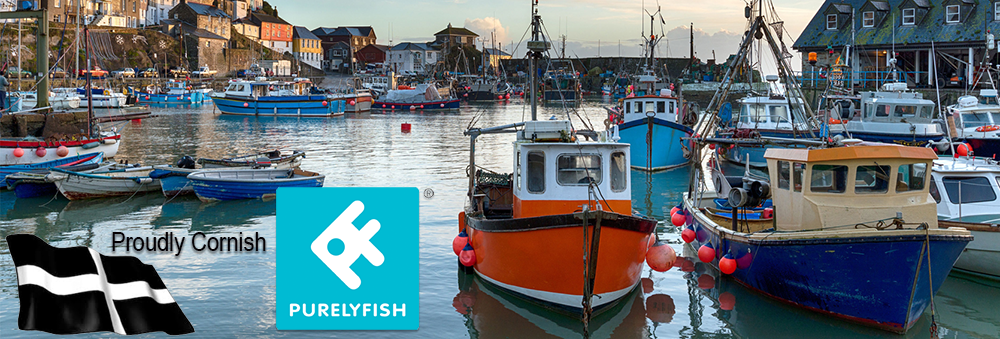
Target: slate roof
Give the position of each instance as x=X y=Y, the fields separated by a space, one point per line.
x=455 y=31
x=881 y=5
x=382 y=48
x=413 y=46
x=199 y=32
x=494 y=51
x=931 y=27
x=324 y=31
x=299 y=32
x=201 y=9
x=261 y=17
x=352 y=31
x=340 y=45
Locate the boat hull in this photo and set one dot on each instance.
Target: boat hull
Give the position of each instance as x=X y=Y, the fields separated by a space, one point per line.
x=32 y=189
x=80 y=186
x=216 y=190
x=108 y=145
x=984 y=147
x=880 y=280
x=667 y=149
x=291 y=106
x=540 y=257
x=186 y=98
x=89 y=158
x=430 y=105
x=982 y=256
x=919 y=140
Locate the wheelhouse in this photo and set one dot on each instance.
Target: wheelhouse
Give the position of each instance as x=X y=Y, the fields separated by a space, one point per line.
x=771 y=112
x=636 y=108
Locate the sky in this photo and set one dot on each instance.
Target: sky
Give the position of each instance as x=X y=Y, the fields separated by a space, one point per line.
x=592 y=27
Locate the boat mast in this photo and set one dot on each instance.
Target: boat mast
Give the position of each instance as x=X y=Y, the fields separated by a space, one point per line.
x=536 y=47
x=90 y=92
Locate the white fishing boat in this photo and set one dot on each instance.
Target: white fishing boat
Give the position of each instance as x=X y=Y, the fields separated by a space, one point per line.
x=103 y=98
x=79 y=186
x=57 y=100
x=977 y=122
x=966 y=192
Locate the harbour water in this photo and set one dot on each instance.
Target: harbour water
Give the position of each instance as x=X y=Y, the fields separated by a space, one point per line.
x=233 y=295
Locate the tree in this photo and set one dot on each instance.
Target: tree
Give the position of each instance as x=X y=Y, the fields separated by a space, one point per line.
x=269 y=10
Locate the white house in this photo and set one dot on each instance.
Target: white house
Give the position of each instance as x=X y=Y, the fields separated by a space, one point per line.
x=413 y=57
x=157 y=10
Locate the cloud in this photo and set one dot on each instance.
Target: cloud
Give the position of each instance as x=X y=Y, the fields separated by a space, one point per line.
x=487 y=26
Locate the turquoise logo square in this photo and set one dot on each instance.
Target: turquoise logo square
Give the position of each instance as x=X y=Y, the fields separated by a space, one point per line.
x=347 y=258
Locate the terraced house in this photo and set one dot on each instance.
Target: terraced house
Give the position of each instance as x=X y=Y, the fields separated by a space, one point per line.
x=957 y=30
x=306 y=47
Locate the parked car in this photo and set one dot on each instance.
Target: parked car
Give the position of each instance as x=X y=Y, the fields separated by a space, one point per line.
x=149 y=73
x=204 y=72
x=57 y=72
x=124 y=73
x=97 y=72
x=178 y=72
x=12 y=72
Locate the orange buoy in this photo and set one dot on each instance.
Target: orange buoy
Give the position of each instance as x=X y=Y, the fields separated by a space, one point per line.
x=40 y=151
x=706 y=253
x=660 y=308
x=661 y=257
x=468 y=256
x=62 y=151
x=459 y=242
x=674 y=210
x=962 y=150
x=727 y=264
x=688 y=235
x=987 y=128
x=18 y=152
x=678 y=219
x=727 y=301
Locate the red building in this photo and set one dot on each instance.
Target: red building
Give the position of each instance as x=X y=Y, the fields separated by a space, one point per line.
x=371 y=54
x=275 y=33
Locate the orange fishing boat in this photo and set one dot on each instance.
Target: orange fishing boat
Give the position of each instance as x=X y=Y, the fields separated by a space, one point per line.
x=559 y=229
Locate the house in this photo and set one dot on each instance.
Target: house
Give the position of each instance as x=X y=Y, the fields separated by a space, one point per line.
x=275 y=33
x=355 y=37
x=134 y=12
x=235 y=8
x=413 y=57
x=157 y=10
x=371 y=54
x=455 y=36
x=306 y=47
x=957 y=28
x=495 y=56
x=247 y=28
x=204 y=30
x=337 y=57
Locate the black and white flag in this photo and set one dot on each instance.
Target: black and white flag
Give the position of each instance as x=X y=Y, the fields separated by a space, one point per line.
x=77 y=290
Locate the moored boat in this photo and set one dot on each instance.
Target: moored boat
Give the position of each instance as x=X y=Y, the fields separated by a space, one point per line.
x=260 y=159
x=36 y=183
x=423 y=96
x=978 y=122
x=966 y=192
x=29 y=150
x=249 y=183
x=58 y=100
x=124 y=182
x=89 y=158
x=176 y=92
x=269 y=98
x=174 y=181
x=854 y=233
x=893 y=115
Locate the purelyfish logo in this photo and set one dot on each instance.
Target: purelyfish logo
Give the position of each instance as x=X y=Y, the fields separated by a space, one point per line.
x=348 y=259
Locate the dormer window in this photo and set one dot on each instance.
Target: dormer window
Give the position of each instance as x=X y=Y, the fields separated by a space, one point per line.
x=868 y=19
x=831 y=21
x=953 y=14
x=909 y=16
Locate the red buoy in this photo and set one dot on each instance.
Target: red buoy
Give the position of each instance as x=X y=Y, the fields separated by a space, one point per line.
x=711 y=146
x=459 y=242
x=351 y=102
x=706 y=282
x=40 y=151
x=674 y=210
x=660 y=257
x=324 y=103
x=962 y=150
x=468 y=256
x=62 y=151
x=727 y=301
x=706 y=253
x=678 y=219
x=246 y=104
x=18 y=152
x=688 y=235
x=727 y=264
x=405 y=127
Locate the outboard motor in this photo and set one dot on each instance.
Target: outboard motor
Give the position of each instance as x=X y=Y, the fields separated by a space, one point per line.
x=186 y=162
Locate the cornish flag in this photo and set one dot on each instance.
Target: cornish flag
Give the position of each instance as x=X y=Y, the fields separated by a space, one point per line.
x=77 y=290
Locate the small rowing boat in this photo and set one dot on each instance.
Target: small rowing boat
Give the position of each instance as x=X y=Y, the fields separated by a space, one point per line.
x=262 y=159
x=174 y=181
x=78 y=186
x=249 y=183
x=89 y=158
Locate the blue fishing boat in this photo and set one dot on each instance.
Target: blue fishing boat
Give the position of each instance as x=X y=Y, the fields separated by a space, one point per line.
x=33 y=183
x=89 y=158
x=249 y=184
x=176 y=92
x=651 y=124
x=272 y=98
x=854 y=233
x=174 y=181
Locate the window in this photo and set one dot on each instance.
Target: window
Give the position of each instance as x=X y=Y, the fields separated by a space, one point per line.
x=58 y=3
x=536 y=172
x=831 y=21
x=902 y=111
x=628 y=106
x=882 y=111
x=952 y=13
x=752 y=114
x=934 y=191
x=996 y=11
x=661 y=107
x=577 y=170
x=619 y=172
x=967 y=190
x=911 y=177
x=798 y=169
x=778 y=113
x=783 y=178
x=828 y=179
x=638 y=107
x=517 y=170
x=872 y=179
x=208 y=44
x=909 y=16
x=868 y=19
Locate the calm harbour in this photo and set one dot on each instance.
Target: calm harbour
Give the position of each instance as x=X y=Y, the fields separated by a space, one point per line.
x=233 y=294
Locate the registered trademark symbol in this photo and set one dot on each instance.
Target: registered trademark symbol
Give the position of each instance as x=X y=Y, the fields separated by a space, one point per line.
x=428 y=193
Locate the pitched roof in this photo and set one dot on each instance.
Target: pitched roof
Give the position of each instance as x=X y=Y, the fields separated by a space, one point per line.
x=300 y=32
x=413 y=46
x=929 y=27
x=881 y=5
x=340 y=45
x=843 y=8
x=261 y=17
x=494 y=51
x=201 y=9
x=455 y=31
x=199 y=32
x=382 y=48
x=323 y=31
x=352 y=31
x=244 y=21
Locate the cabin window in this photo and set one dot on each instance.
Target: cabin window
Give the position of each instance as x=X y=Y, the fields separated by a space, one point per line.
x=902 y=111
x=536 y=172
x=934 y=191
x=909 y=16
x=517 y=170
x=977 y=119
x=619 y=172
x=882 y=111
x=778 y=113
x=911 y=177
x=872 y=179
x=798 y=169
x=638 y=107
x=831 y=21
x=661 y=107
x=926 y=112
x=576 y=170
x=952 y=13
x=628 y=106
x=672 y=109
x=649 y=106
x=783 y=178
x=753 y=114
x=967 y=190
x=996 y=11
x=868 y=19
x=828 y=179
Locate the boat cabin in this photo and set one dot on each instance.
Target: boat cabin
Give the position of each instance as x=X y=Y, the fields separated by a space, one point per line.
x=896 y=107
x=966 y=189
x=662 y=106
x=772 y=112
x=555 y=172
x=816 y=189
x=975 y=119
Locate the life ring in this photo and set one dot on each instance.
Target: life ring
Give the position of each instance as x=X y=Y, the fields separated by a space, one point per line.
x=987 y=128
x=107 y=92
